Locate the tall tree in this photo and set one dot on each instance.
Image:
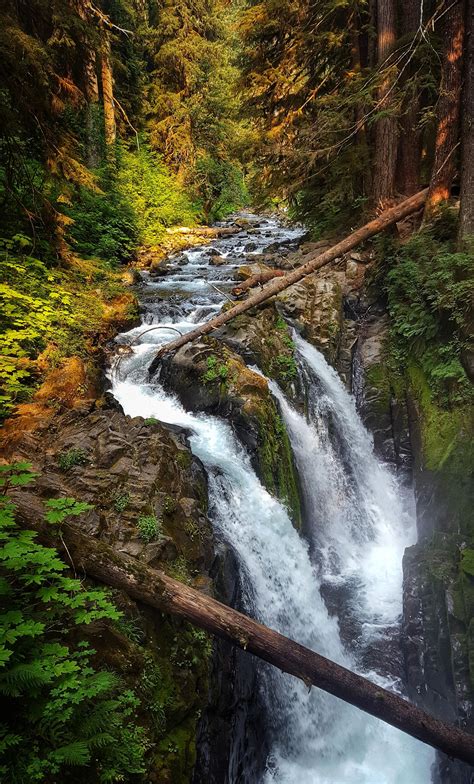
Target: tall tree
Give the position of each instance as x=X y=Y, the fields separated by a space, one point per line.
x=385 y=158
x=466 y=223
x=409 y=149
x=107 y=90
x=448 y=110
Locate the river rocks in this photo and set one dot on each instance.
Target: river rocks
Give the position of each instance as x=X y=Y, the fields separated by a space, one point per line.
x=218 y=261
x=131 y=277
x=159 y=269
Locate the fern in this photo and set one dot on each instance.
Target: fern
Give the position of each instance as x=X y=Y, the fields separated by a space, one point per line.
x=60 y=712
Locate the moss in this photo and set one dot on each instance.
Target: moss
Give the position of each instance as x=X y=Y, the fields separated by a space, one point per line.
x=184 y=458
x=277 y=468
x=446 y=433
x=173 y=687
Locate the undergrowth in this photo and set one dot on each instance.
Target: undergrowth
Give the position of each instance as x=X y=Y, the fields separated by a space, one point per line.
x=429 y=286
x=62 y=718
x=46 y=310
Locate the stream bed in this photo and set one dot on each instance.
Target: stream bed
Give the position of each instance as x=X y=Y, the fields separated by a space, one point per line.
x=335 y=587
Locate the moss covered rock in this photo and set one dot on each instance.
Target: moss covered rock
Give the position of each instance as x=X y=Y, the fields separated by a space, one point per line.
x=209 y=376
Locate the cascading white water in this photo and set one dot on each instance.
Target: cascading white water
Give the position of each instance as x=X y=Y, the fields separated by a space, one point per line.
x=316 y=739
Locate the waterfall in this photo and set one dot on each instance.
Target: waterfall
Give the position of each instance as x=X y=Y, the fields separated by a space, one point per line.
x=357 y=534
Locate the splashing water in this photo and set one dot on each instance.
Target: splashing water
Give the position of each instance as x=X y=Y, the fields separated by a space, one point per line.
x=358 y=531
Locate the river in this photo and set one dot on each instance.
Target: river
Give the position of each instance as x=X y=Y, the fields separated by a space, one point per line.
x=337 y=587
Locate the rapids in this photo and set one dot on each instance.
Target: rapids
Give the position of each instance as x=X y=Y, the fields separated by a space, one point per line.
x=338 y=588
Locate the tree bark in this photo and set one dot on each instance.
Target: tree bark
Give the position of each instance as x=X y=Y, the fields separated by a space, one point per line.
x=466 y=219
x=447 y=134
x=256 y=280
x=155 y=589
x=385 y=160
x=92 y=111
x=315 y=262
x=409 y=148
x=108 y=91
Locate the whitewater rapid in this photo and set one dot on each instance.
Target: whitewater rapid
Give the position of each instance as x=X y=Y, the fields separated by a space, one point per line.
x=357 y=529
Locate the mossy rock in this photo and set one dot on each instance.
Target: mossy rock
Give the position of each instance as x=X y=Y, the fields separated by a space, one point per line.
x=210 y=377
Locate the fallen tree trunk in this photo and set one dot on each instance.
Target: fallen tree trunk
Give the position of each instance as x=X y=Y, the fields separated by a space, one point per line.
x=155 y=589
x=256 y=280
x=206 y=231
x=315 y=262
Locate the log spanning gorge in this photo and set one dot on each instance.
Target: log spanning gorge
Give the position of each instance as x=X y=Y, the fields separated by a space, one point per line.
x=334 y=585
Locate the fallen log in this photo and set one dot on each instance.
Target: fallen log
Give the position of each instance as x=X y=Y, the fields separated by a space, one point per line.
x=315 y=262
x=155 y=589
x=256 y=280
x=206 y=231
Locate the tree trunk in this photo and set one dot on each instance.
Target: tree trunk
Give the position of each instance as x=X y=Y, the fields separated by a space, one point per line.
x=363 y=178
x=108 y=91
x=466 y=220
x=92 y=111
x=256 y=280
x=315 y=262
x=155 y=589
x=386 y=127
x=447 y=135
x=409 y=149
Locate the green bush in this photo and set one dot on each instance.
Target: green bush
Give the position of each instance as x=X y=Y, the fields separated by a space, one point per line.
x=429 y=288
x=221 y=186
x=62 y=719
x=72 y=458
x=105 y=226
x=149 y=528
x=155 y=197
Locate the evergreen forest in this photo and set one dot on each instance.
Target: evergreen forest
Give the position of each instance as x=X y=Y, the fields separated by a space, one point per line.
x=306 y=461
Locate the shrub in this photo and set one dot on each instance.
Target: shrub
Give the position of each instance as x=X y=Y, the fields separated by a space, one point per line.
x=215 y=371
x=149 y=527
x=105 y=226
x=60 y=712
x=429 y=288
x=72 y=458
x=154 y=195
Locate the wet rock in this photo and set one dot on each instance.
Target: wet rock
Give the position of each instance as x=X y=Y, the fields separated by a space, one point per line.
x=159 y=269
x=315 y=304
x=232 y=744
x=131 y=277
x=218 y=261
x=209 y=376
x=352 y=269
x=124 y=468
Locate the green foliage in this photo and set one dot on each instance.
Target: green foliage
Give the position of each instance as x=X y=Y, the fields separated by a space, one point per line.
x=44 y=307
x=467 y=561
x=221 y=185
x=60 y=712
x=428 y=287
x=121 y=501
x=59 y=509
x=105 y=225
x=216 y=371
x=153 y=194
x=284 y=366
x=35 y=309
x=72 y=457
x=149 y=528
